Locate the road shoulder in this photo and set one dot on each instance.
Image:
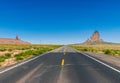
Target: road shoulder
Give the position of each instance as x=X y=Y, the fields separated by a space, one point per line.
x=114 y=60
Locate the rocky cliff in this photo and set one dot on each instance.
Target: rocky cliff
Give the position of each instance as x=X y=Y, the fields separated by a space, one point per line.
x=94 y=39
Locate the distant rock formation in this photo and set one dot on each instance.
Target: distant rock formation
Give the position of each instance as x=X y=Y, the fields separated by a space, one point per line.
x=94 y=39
x=12 y=41
x=17 y=38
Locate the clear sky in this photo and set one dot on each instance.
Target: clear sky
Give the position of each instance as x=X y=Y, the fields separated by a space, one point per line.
x=60 y=21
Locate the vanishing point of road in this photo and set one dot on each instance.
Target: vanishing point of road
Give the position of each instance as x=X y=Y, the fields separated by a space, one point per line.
x=63 y=65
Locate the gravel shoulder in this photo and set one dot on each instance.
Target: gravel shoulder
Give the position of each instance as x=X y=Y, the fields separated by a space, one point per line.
x=114 y=60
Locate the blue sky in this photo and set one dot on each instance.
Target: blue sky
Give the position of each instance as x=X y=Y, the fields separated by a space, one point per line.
x=60 y=21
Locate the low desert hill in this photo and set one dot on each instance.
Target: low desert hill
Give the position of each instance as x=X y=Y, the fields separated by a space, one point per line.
x=12 y=41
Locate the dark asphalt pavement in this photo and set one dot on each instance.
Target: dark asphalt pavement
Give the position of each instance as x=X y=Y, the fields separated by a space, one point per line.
x=50 y=68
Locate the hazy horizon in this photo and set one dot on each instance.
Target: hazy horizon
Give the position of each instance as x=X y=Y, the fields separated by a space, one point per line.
x=61 y=21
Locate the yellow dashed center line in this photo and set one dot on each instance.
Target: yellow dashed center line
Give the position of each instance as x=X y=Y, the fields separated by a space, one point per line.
x=63 y=62
x=65 y=51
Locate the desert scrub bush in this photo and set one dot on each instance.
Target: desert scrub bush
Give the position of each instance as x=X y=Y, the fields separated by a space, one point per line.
x=10 y=50
x=7 y=55
x=23 y=48
x=106 y=49
x=3 y=57
x=30 y=53
x=118 y=52
x=2 y=49
x=90 y=49
x=30 y=50
x=23 y=55
x=110 y=52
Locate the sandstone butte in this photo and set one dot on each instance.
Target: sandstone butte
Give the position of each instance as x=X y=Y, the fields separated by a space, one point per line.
x=12 y=41
x=94 y=39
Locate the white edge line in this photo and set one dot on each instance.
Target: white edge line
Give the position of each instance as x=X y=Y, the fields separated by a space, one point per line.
x=98 y=61
x=17 y=65
x=101 y=63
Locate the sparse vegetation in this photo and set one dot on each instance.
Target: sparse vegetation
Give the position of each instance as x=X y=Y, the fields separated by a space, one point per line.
x=110 y=49
x=2 y=58
x=2 y=49
x=6 y=56
x=29 y=53
x=22 y=52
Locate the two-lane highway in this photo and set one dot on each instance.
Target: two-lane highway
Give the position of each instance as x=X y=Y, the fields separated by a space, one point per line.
x=64 y=65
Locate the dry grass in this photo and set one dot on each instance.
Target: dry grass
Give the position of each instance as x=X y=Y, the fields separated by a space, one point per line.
x=11 y=53
x=111 y=49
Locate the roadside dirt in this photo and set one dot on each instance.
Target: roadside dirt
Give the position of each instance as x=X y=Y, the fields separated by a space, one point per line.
x=114 y=60
x=11 y=60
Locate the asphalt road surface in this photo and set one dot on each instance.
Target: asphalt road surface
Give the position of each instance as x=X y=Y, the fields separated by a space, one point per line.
x=63 y=65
